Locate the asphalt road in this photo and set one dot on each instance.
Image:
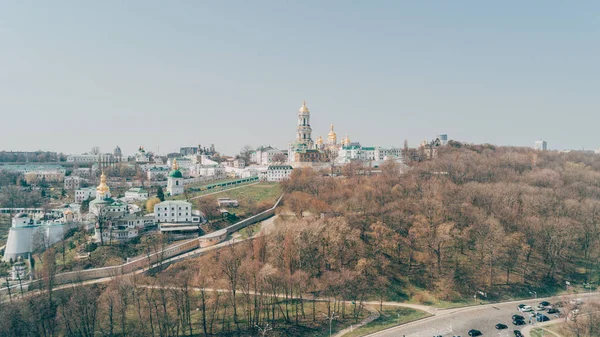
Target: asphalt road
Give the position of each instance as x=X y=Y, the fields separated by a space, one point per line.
x=457 y=322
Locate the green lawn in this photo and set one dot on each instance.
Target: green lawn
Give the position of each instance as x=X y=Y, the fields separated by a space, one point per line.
x=250 y=197
x=390 y=317
x=545 y=331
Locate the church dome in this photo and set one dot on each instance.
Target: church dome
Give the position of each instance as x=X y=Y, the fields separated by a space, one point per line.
x=332 y=136
x=103 y=188
x=304 y=108
x=320 y=141
x=346 y=140
x=175 y=173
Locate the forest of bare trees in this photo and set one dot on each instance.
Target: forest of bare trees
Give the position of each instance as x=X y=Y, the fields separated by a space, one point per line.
x=504 y=221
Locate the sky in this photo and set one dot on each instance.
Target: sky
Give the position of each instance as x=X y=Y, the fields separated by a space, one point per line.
x=166 y=74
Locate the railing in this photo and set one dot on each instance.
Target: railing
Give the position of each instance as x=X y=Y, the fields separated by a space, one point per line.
x=142 y=261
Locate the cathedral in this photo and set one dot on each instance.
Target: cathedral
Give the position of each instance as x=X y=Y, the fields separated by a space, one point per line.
x=304 y=151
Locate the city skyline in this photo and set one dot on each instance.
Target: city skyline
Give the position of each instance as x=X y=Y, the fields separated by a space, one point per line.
x=107 y=74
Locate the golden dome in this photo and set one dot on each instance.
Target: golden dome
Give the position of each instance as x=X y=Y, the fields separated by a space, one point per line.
x=332 y=136
x=320 y=141
x=102 y=188
x=175 y=165
x=304 y=108
x=346 y=140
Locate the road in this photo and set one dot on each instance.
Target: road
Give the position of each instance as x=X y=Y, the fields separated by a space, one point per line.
x=457 y=322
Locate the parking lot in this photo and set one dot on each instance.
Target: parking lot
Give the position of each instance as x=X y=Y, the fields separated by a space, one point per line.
x=457 y=322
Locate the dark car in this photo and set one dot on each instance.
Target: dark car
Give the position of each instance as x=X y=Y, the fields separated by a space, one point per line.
x=553 y=311
x=474 y=332
x=542 y=318
x=544 y=303
x=517 y=317
x=519 y=322
x=518 y=333
x=501 y=326
x=520 y=306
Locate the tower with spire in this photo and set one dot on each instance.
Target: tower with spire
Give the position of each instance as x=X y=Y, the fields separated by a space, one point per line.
x=175 y=180
x=304 y=134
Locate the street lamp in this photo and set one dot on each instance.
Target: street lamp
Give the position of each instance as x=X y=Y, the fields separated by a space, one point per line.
x=330 y=318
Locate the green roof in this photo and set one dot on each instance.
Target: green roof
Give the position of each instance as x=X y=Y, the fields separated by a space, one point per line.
x=175 y=174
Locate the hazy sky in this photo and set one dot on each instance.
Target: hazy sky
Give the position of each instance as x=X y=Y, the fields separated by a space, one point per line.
x=74 y=74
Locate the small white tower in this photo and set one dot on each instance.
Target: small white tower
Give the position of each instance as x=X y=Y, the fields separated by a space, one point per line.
x=175 y=180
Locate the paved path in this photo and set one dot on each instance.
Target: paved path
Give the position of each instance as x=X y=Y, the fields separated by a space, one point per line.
x=373 y=315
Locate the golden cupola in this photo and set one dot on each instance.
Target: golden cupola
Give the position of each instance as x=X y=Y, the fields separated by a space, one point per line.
x=331 y=136
x=102 y=189
x=320 y=140
x=346 y=141
x=304 y=108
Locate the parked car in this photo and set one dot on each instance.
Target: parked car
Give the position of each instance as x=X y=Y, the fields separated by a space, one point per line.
x=518 y=333
x=542 y=318
x=540 y=308
x=474 y=333
x=526 y=308
x=517 y=317
x=501 y=326
x=521 y=306
x=544 y=303
x=553 y=311
x=519 y=322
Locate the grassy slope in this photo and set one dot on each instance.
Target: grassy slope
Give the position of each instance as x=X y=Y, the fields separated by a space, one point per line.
x=391 y=316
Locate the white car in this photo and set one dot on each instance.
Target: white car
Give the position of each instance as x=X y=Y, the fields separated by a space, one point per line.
x=540 y=308
x=526 y=308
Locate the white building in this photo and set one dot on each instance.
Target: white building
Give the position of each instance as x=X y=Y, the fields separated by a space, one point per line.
x=175 y=180
x=264 y=155
x=72 y=182
x=381 y=153
x=200 y=170
x=278 y=172
x=22 y=169
x=183 y=163
x=82 y=172
x=142 y=156
x=83 y=158
x=540 y=145
x=136 y=193
x=26 y=234
x=83 y=194
x=174 y=211
x=157 y=172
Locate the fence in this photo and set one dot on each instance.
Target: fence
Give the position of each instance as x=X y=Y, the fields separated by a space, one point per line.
x=149 y=260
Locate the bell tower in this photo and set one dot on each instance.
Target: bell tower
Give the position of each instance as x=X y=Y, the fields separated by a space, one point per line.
x=304 y=129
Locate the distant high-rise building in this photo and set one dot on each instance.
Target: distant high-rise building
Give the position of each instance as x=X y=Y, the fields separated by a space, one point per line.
x=443 y=138
x=540 y=145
